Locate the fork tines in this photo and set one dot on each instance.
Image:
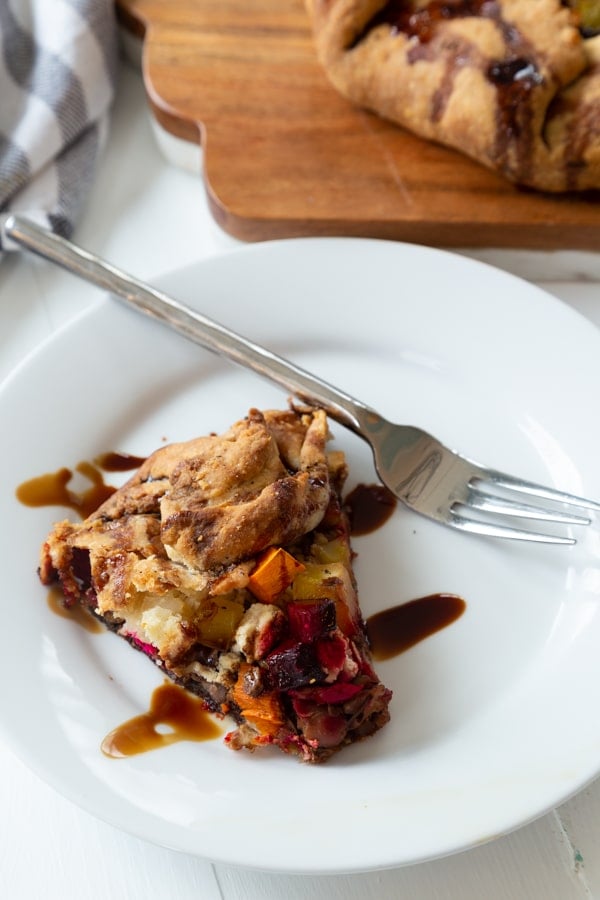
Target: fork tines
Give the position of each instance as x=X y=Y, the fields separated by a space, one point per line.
x=484 y=498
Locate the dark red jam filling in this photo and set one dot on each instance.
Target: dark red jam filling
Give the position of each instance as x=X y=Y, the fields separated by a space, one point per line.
x=514 y=79
x=421 y=23
x=520 y=72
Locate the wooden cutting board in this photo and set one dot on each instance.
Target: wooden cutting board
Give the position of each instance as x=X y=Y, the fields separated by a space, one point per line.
x=285 y=155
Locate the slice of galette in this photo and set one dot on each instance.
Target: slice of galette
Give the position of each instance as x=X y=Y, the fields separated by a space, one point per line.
x=227 y=561
x=514 y=84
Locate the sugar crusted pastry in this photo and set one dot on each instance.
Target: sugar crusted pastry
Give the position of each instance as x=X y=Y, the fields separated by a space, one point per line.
x=227 y=560
x=514 y=84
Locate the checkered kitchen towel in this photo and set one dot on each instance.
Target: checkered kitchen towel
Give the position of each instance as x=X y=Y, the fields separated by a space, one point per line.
x=58 y=62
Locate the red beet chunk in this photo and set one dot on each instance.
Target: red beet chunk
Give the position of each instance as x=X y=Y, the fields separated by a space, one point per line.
x=311 y=620
x=293 y=665
x=331 y=652
x=337 y=693
x=81 y=568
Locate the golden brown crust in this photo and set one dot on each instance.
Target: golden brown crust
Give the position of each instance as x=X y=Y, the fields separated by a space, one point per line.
x=180 y=530
x=236 y=498
x=511 y=83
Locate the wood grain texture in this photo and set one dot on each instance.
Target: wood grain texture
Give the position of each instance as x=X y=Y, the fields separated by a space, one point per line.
x=285 y=155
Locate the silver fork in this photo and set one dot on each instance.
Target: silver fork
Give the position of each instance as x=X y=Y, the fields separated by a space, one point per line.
x=420 y=471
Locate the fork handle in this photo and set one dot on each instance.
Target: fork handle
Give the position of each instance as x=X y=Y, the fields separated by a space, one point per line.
x=186 y=321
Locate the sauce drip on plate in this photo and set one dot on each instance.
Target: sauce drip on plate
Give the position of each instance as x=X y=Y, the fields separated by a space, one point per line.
x=119 y=462
x=398 y=628
x=369 y=506
x=52 y=489
x=182 y=716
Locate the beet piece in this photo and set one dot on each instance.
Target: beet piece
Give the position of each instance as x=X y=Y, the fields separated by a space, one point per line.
x=293 y=665
x=337 y=693
x=332 y=652
x=81 y=568
x=149 y=649
x=311 y=620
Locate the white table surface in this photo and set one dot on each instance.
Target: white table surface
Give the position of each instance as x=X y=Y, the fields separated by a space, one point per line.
x=148 y=216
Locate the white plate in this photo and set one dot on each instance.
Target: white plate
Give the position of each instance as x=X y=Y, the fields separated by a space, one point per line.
x=494 y=719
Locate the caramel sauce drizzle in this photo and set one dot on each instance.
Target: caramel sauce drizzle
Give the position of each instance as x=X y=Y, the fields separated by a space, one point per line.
x=52 y=488
x=185 y=716
x=368 y=507
x=395 y=630
x=119 y=462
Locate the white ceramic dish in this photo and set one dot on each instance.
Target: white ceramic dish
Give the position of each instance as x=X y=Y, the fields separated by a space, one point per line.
x=494 y=719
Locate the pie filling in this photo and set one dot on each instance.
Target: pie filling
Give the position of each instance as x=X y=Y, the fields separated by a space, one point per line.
x=227 y=561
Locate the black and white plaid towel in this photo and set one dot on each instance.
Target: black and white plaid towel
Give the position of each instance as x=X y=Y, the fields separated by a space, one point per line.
x=58 y=64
